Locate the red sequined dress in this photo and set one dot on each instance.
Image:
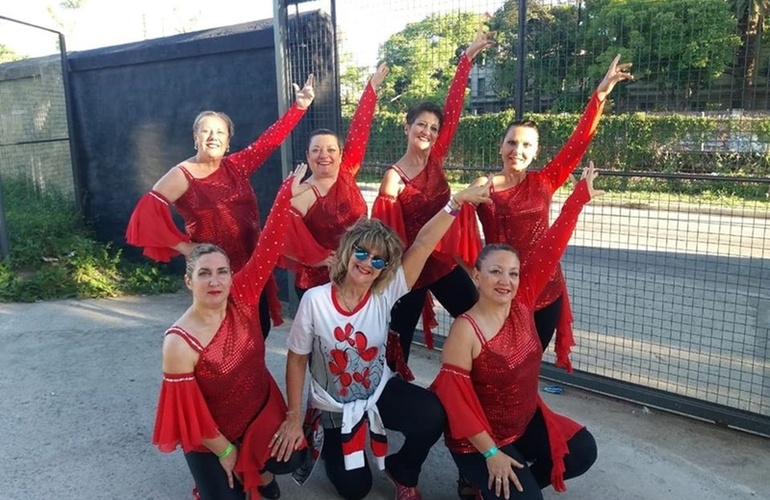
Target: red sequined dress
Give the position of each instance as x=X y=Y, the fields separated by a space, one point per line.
x=428 y=192
x=518 y=216
x=499 y=394
x=314 y=236
x=221 y=208
x=230 y=392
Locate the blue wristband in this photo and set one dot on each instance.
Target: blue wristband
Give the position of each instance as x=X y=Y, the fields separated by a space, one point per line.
x=490 y=452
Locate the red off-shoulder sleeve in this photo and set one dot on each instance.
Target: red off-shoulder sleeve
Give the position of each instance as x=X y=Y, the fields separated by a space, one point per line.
x=152 y=227
x=453 y=108
x=249 y=159
x=464 y=412
x=463 y=239
x=301 y=248
x=358 y=134
x=250 y=280
x=388 y=210
x=538 y=265
x=563 y=164
x=183 y=418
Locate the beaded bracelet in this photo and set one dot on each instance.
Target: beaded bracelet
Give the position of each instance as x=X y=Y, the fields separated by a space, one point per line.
x=227 y=451
x=490 y=452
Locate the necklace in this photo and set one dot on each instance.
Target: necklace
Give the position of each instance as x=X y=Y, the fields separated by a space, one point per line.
x=344 y=301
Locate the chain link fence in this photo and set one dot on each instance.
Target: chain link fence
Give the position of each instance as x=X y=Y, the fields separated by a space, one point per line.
x=668 y=273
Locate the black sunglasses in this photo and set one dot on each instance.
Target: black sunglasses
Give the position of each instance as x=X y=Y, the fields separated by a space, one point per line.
x=362 y=254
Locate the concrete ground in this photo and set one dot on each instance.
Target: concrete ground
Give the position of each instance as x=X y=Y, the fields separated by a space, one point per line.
x=79 y=383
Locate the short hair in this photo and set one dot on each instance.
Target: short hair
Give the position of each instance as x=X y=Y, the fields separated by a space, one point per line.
x=373 y=235
x=424 y=107
x=494 y=247
x=323 y=131
x=218 y=114
x=521 y=123
x=198 y=252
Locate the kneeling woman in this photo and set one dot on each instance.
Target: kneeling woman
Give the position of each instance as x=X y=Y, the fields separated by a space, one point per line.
x=488 y=381
x=341 y=329
x=218 y=401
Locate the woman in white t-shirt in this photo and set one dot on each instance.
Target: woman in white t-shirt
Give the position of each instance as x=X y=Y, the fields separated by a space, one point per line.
x=340 y=331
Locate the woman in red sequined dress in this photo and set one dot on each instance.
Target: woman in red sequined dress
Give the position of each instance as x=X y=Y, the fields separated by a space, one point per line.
x=334 y=202
x=414 y=190
x=217 y=400
x=488 y=383
x=213 y=194
x=519 y=213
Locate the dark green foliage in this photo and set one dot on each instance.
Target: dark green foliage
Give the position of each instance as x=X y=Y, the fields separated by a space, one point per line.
x=53 y=256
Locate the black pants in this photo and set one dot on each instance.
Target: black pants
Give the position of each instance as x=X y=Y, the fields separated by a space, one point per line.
x=455 y=291
x=409 y=409
x=264 y=314
x=211 y=480
x=546 y=320
x=532 y=447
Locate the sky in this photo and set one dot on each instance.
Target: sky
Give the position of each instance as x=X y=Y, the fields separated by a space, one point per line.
x=100 y=23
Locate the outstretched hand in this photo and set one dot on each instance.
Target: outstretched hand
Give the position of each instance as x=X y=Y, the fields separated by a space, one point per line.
x=482 y=42
x=616 y=73
x=304 y=96
x=589 y=174
x=379 y=75
x=297 y=187
x=476 y=194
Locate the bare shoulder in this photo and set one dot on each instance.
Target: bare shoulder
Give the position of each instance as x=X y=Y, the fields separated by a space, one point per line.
x=178 y=356
x=302 y=202
x=391 y=184
x=461 y=345
x=173 y=184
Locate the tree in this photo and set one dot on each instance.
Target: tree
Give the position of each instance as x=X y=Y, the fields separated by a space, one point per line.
x=551 y=48
x=680 y=45
x=423 y=55
x=7 y=54
x=751 y=15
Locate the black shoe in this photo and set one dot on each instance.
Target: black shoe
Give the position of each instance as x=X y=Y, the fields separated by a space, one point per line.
x=270 y=490
x=465 y=490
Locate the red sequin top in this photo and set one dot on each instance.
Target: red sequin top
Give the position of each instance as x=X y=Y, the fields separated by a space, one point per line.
x=231 y=372
x=331 y=215
x=222 y=208
x=428 y=192
x=518 y=216
x=505 y=373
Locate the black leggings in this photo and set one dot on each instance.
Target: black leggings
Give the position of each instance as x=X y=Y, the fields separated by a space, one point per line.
x=264 y=314
x=211 y=480
x=455 y=291
x=399 y=405
x=546 y=320
x=531 y=447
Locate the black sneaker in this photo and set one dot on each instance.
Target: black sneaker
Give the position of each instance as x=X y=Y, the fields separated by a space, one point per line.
x=270 y=490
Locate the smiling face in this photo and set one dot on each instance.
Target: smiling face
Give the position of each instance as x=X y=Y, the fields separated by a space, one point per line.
x=361 y=271
x=519 y=147
x=210 y=279
x=498 y=276
x=324 y=155
x=212 y=137
x=422 y=132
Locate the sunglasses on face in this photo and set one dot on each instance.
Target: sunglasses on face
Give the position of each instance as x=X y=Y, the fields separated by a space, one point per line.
x=362 y=254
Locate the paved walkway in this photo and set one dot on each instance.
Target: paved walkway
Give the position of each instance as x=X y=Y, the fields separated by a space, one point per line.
x=79 y=383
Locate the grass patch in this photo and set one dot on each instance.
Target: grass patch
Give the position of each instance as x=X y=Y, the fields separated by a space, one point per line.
x=54 y=256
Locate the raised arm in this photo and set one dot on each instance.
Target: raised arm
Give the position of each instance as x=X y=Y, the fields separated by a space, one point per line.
x=249 y=159
x=538 y=265
x=569 y=156
x=453 y=106
x=387 y=207
x=434 y=229
x=250 y=280
x=361 y=124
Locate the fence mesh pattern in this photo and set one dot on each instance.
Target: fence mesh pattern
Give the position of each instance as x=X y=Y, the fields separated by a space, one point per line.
x=668 y=273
